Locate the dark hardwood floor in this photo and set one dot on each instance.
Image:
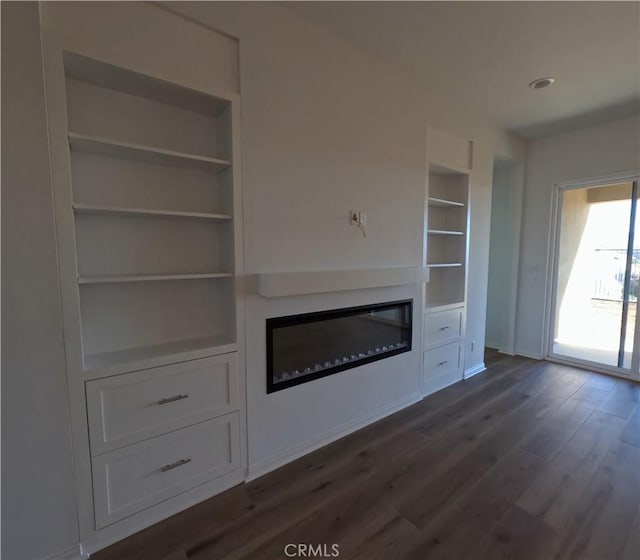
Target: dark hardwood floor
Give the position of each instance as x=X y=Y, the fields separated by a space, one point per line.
x=527 y=461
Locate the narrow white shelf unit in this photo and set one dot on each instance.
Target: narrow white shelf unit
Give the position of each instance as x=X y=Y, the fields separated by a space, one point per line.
x=128 y=150
x=98 y=209
x=150 y=277
x=446 y=233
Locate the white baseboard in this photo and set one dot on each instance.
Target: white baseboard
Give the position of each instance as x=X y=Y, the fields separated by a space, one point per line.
x=263 y=467
x=474 y=370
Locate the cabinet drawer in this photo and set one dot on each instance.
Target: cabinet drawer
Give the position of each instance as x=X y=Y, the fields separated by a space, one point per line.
x=129 y=408
x=444 y=360
x=131 y=479
x=442 y=327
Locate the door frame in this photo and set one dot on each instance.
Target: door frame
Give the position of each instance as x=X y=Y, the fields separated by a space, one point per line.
x=558 y=189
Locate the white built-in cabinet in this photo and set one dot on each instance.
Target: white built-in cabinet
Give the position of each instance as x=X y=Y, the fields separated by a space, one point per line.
x=147 y=204
x=449 y=162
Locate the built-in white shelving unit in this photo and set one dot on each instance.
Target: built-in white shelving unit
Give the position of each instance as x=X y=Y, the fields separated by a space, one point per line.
x=152 y=203
x=446 y=236
x=147 y=197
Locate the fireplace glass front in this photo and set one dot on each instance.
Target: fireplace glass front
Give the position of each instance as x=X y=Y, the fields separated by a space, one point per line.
x=301 y=348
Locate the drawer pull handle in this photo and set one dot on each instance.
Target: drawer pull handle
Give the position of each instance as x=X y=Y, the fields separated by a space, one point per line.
x=172 y=399
x=443 y=328
x=442 y=363
x=175 y=465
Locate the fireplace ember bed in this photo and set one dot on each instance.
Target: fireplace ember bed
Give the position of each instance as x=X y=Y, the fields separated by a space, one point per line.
x=301 y=348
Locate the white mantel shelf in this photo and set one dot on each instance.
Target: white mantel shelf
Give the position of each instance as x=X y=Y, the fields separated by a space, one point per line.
x=283 y=284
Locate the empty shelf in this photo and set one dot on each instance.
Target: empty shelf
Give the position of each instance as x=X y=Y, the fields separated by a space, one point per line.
x=444 y=265
x=126 y=150
x=150 y=277
x=444 y=203
x=97 y=209
x=125 y=360
x=442 y=305
x=444 y=232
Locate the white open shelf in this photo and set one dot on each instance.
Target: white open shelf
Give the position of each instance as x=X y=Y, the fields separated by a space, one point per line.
x=127 y=150
x=150 y=277
x=444 y=265
x=444 y=203
x=99 y=209
x=444 y=232
x=134 y=358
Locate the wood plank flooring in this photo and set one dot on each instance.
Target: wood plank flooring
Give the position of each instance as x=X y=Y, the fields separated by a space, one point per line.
x=527 y=461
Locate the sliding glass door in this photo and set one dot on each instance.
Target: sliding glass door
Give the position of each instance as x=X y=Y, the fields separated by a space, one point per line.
x=597 y=276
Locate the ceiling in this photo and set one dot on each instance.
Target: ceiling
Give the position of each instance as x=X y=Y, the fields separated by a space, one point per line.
x=482 y=55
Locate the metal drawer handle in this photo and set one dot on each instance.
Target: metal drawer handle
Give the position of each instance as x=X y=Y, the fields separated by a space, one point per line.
x=175 y=465
x=443 y=328
x=172 y=399
x=442 y=363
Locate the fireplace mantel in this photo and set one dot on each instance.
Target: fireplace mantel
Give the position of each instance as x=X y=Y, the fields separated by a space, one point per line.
x=283 y=284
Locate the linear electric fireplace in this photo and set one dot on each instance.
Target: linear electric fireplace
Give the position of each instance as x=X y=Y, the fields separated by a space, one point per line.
x=302 y=348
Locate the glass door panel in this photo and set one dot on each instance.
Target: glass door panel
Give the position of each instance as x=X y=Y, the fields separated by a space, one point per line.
x=597 y=276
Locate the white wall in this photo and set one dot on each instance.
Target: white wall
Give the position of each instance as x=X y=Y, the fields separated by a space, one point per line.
x=325 y=128
x=606 y=149
x=38 y=498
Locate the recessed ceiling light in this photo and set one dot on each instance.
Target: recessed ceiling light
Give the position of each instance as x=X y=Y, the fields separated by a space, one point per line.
x=541 y=83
